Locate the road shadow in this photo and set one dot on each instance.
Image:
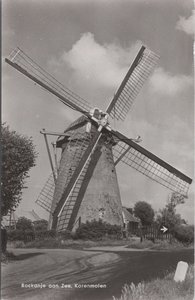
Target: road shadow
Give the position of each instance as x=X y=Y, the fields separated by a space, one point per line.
x=23 y=256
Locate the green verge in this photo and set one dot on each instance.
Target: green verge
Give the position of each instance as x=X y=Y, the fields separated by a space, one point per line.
x=60 y=243
x=161 y=289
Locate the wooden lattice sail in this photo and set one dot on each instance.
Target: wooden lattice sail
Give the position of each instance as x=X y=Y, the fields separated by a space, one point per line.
x=86 y=187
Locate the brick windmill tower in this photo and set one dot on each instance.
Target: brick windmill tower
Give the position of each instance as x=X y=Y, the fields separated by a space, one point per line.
x=84 y=185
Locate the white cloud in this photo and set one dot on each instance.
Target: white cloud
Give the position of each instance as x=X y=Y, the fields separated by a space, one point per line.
x=187 y=24
x=94 y=70
x=167 y=84
x=104 y=65
x=92 y=66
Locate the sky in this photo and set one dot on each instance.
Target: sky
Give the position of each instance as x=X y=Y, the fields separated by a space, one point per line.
x=89 y=46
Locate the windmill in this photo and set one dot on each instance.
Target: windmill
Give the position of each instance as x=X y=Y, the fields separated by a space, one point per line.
x=83 y=185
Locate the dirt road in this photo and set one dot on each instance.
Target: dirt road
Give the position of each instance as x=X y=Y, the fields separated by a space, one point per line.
x=67 y=274
x=55 y=268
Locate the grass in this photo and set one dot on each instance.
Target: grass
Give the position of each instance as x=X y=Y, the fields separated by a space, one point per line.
x=161 y=289
x=52 y=243
x=166 y=245
x=159 y=245
x=141 y=245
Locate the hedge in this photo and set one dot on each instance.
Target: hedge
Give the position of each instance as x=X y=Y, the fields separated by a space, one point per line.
x=184 y=234
x=21 y=235
x=30 y=235
x=97 y=230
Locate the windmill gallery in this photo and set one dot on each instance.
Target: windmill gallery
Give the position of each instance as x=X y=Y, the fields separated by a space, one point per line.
x=83 y=186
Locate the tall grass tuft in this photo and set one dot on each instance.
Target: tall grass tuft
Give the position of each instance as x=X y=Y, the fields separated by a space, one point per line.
x=161 y=289
x=132 y=292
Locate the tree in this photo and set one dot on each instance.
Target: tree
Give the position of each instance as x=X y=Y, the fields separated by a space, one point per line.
x=145 y=212
x=18 y=156
x=168 y=216
x=97 y=230
x=184 y=233
x=168 y=219
x=24 y=224
x=40 y=225
x=174 y=200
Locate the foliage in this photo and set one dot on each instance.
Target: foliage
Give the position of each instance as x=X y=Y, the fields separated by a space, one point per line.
x=132 y=292
x=167 y=245
x=21 y=235
x=4 y=238
x=175 y=200
x=8 y=256
x=24 y=224
x=141 y=245
x=40 y=225
x=28 y=234
x=97 y=230
x=59 y=243
x=45 y=234
x=24 y=231
x=145 y=212
x=168 y=216
x=18 y=156
x=48 y=239
x=168 y=219
x=56 y=243
x=184 y=234
x=161 y=289
x=65 y=235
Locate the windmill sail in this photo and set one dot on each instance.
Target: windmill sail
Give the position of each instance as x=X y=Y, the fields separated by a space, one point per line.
x=52 y=193
x=24 y=64
x=135 y=78
x=67 y=217
x=70 y=159
x=75 y=176
x=150 y=165
x=88 y=151
x=46 y=195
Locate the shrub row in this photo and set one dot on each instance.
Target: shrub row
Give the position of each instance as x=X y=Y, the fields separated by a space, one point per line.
x=21 y=235
x=94 y=230
x=184 y=234
x=97 y=230
x=29 y=235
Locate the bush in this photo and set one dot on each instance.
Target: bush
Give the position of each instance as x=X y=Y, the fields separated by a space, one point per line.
x=40 y=225
x=21 y=235
x=141 y=245
x=65 y=235
x=184 y=234
x=3 y=240
x=24 y=224
x=29 y=235
x=48 y=234
x=45 y=234
x=166 y=245
x=165 y=288
x=18 y=244
x=97 y=230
